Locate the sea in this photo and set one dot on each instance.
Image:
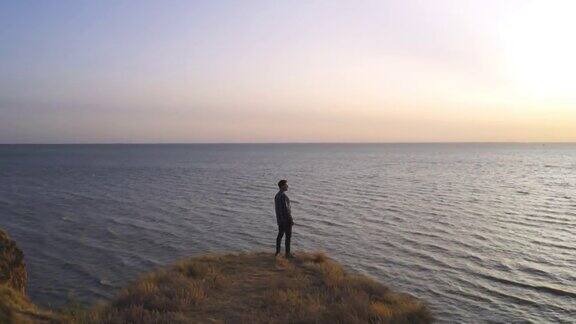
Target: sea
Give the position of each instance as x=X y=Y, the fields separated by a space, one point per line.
x=480 y=232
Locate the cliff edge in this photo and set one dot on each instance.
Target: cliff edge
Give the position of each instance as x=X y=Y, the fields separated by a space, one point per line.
x=258 y=288
x=15 y=307
x=12 y=267
x=224 y=288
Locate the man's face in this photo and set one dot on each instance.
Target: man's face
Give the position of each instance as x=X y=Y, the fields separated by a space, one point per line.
x=285 y=187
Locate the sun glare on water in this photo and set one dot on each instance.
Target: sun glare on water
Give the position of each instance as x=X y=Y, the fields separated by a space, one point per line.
x=539 y=43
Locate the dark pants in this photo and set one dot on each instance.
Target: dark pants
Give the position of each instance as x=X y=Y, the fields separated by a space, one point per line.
x=283 y=228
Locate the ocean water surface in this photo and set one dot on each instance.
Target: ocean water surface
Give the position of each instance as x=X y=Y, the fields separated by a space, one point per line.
x=481 y=232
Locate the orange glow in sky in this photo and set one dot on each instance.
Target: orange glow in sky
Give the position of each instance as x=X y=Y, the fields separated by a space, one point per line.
x=298 y=71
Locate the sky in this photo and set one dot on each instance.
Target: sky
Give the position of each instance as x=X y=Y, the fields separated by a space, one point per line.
x=287 y=71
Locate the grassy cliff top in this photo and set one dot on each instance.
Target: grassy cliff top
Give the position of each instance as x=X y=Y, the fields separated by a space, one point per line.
x=15 y=307
x=256 y=288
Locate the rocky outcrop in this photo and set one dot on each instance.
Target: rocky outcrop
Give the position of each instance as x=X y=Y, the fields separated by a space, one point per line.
x=15 y=307
x=12 y=267
x=257 y=288
x=224 y=288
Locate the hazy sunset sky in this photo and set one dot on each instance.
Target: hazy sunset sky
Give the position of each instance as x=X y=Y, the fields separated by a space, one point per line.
x=287 y=71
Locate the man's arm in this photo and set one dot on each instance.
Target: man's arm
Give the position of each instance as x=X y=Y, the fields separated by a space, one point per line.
x=279 y=209
x=288 y=210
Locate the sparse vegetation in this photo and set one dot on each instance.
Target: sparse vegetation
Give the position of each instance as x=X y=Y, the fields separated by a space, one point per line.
x=225 y=288
x=12 y=267
x=15 y=307
x=257 y=288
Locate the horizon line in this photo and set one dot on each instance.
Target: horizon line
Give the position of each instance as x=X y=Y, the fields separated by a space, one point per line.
x=284 y=143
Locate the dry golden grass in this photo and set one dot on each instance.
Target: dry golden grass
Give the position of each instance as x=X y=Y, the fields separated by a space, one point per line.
x=12 y=267
x=16 y=308
x=256 y=288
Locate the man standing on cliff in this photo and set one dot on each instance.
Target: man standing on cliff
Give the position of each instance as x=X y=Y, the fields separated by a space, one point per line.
x=283 y=217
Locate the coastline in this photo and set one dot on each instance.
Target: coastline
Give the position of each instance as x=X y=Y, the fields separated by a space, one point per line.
x=220 y=288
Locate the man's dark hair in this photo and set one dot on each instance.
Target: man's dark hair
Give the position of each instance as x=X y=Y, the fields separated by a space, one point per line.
x=282 y=183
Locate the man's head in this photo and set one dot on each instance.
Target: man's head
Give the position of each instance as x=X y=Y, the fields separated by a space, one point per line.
x=283 y=185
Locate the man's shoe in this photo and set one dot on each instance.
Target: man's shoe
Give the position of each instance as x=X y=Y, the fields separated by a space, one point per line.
x=290 y=256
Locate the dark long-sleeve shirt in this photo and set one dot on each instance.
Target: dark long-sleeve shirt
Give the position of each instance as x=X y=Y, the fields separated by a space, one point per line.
x=282 y=207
